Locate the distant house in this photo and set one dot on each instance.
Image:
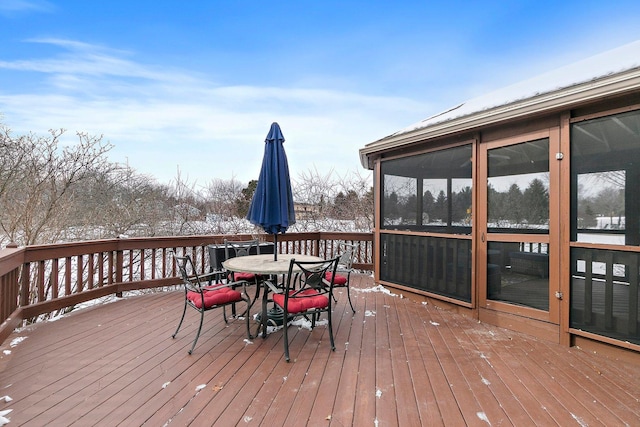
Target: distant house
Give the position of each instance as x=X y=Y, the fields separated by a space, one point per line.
x=495 y=206
x=306 y=210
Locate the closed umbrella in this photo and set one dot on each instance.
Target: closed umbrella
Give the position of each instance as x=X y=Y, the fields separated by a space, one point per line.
x=272 y=204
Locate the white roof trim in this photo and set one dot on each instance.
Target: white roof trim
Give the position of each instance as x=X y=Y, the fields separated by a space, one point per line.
x=611 y=73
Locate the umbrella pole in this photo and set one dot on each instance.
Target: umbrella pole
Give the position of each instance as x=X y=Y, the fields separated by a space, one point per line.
x=275 y=247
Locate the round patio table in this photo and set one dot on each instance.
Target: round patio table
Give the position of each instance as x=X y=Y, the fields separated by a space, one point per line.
x=265 y=265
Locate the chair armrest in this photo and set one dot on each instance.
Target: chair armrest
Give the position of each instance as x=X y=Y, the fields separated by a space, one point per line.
x=207 y=276
x=212 y=274
x=274 y=288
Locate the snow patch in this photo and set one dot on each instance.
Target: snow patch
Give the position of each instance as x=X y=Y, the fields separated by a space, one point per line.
x=482 y=356
x=579 y=420
x=483 y=417
x=17 y=341
x=303 y=323
x=378 y=288
x=4 y=420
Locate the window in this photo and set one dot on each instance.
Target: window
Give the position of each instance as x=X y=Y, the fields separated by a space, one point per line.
x=518 y=188
x=605 y=165
x=429 y=192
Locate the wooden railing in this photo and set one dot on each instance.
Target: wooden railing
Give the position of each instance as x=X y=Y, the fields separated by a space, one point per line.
x=37 y=280
x=605 y=285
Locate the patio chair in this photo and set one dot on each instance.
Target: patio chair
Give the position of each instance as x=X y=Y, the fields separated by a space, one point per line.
x=307 y=293
x=202 y=297
x=238 y=248
x=217 y=273
x=345 y=268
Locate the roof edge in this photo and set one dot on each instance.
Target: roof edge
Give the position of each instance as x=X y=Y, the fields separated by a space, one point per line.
x=610 y=85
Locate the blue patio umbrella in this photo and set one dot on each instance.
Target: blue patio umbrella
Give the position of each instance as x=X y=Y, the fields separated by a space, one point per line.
x=272 y=204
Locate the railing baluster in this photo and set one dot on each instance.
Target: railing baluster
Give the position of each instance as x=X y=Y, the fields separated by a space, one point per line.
x=90 y=260
x=80 y=273
x=54 y=278
x=25 y=287
x=608 y=291
x=633 y=294
x=101 y=277
x=40 y=284
x=67 y=276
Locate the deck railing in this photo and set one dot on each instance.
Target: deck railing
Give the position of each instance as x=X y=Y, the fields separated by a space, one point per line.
x=37 y=280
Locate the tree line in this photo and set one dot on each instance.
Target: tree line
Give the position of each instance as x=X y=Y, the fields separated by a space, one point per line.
x=53 y=192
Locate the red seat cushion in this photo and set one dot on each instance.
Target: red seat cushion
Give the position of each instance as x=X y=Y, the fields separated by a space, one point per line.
x=249 y=277
x=340 y=280
x=298 y=304
x=214 y=297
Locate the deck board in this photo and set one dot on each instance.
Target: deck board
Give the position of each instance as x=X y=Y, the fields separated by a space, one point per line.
x=397 y=362
x=365 y=388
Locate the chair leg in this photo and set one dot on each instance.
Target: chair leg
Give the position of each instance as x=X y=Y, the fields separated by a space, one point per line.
x=349 y=298
x=263 y=318
x=333 y=345
x=250 y=303
x=247 y=320
x=349 y=291
x=257 y=295
x=285 y=337
x=184 y=311
x=197 y=334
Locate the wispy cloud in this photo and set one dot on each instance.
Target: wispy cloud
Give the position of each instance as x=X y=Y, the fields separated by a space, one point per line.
x=80 y=58
x=160 y=118
x=12 y=7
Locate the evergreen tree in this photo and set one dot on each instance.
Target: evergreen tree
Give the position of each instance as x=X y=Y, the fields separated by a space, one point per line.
x=441 y=210
x=536 y=202
x=514 y=203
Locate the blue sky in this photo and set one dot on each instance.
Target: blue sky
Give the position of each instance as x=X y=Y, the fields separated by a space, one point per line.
x=195 y=85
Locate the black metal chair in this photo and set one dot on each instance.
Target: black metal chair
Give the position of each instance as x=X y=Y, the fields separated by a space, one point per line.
x=345 y=268
x=217 y=273
x=202 y=297
x=237 y=248
x=306 y=293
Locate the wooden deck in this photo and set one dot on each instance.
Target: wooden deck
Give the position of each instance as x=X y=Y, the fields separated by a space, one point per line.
x=397 y=363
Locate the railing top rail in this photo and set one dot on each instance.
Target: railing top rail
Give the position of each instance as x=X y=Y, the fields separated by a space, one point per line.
x=10 y=259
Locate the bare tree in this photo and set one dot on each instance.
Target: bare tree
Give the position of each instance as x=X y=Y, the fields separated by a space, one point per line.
x=188 y=208
x=122 y=203
x=333 y=202
x=228 y=202
x=38 y=178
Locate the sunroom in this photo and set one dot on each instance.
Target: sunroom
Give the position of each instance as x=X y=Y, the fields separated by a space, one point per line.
x=521 y=208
